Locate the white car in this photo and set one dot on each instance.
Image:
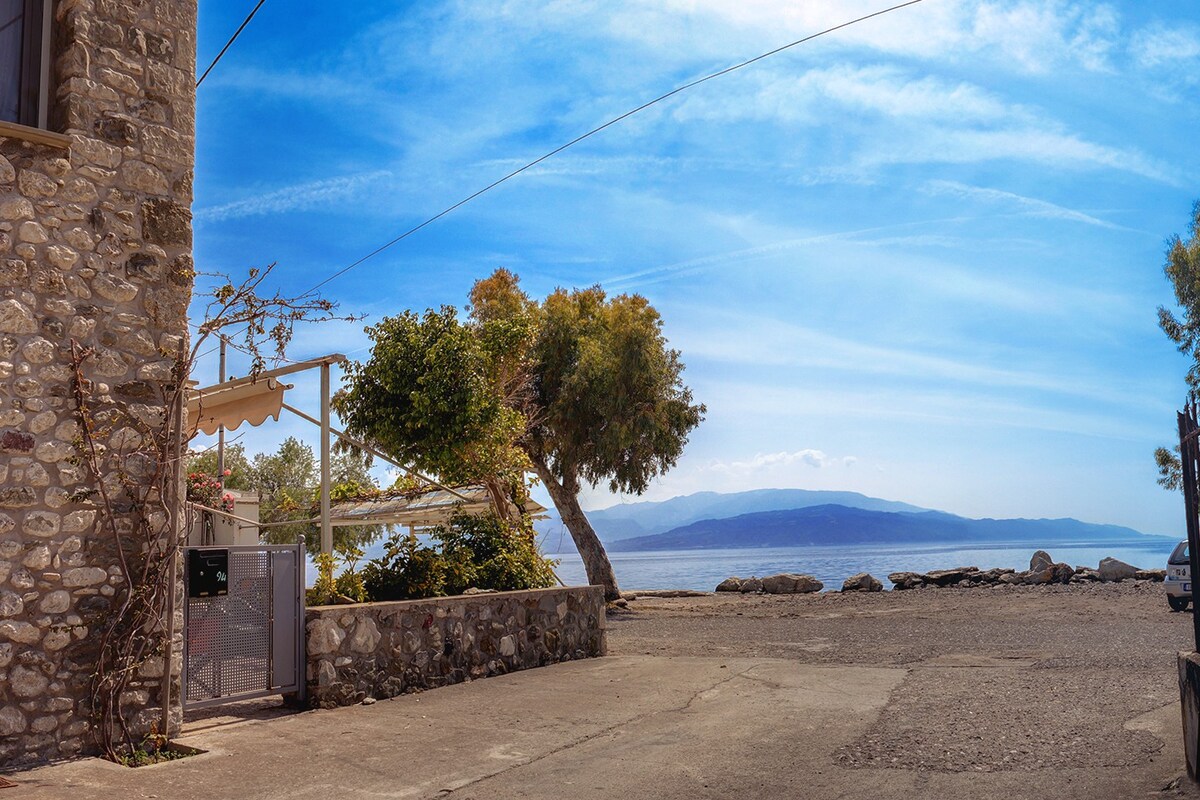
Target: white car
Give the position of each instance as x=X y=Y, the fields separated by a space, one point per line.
x=1179 y=578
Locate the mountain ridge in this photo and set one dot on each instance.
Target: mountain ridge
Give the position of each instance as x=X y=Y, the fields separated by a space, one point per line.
x=832 y=524
x=649 y=517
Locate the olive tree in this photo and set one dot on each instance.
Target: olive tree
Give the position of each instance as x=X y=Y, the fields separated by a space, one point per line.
x=581 y=388
x=1183 y=271
x=428 y=396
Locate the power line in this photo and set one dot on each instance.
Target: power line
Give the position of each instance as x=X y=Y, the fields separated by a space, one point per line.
x=571 y=143
x=232 y=39
x=596 y=130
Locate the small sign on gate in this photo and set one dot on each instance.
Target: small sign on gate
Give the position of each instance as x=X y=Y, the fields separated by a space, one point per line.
x=208 y=573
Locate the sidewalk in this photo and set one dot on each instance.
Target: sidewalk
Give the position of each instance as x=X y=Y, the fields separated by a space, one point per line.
x=621 y=727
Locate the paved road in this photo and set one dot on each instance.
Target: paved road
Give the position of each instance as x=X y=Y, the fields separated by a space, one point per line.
x=1026 y=693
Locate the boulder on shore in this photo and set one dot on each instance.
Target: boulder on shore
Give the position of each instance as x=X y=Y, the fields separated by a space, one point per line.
x=1041 y=559
x=906 y=580
x=862 y=582
x=730 y=584
x=1151 y=575
x=1085 y=575
x=1049 y=573
x=751 y=584
x=790 y=583
x=993 y=576
x=1063 y=572
x=948 y=577
x=1112 y=569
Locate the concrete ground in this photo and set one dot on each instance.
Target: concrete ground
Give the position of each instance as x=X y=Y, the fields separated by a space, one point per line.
x=1032 y=693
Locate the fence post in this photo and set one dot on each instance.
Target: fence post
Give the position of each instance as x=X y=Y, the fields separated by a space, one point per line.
x=1188 y=429
x=302 y=628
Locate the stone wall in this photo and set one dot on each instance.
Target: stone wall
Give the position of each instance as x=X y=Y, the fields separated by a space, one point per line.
x=95 y=247
x=385 y=649
x=1189 y=705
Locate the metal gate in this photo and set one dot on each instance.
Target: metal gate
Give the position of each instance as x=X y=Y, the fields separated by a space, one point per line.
x=249 y=641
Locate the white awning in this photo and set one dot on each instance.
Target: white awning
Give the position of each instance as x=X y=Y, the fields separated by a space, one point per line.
x=230 y=406
x=252 y=398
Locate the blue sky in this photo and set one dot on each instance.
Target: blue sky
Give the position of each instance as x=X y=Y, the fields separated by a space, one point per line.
x=918 y=258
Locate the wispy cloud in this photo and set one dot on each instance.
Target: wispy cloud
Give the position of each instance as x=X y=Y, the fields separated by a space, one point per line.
x=1027 y=36
x=1045 y=144
x=633 y=280
x=300 y=197
x=885 y=90
x=869 y=235
x=733 y=339
x=1027 y=205
x=1158 y=45
x=930 y=411
x=927 y=120
x=762 y=462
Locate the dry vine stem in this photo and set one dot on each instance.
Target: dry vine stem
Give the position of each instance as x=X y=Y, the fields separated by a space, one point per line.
x=127 y=459
x=130 y=452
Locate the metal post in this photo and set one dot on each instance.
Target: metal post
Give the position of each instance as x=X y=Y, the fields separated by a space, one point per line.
x=1187 y=460
x=208 y=525
x=174 y=509
x=301 y=624
x=221 y=429
x=326 y=524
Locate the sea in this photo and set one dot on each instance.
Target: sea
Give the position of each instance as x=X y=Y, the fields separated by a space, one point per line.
x=704 y=569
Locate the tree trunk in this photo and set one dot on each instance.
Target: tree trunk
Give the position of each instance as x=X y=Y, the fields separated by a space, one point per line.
x=595 y=560
x=499 y=501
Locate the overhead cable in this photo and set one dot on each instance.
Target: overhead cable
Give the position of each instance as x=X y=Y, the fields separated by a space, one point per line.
x=599 y=128
x=232 y=39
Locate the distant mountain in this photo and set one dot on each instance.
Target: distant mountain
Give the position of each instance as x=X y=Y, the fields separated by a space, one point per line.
x=832 y=524
x=630 y=520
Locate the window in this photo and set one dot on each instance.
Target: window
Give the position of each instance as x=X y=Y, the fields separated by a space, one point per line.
x=25 y=61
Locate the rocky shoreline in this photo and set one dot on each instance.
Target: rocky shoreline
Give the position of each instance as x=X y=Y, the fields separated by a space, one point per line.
x=1043 y=570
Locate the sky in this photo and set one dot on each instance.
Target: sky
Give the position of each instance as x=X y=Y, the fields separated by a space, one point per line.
x=918 y=258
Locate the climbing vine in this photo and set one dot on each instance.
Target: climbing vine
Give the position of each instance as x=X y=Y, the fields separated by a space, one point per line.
x=129 y=447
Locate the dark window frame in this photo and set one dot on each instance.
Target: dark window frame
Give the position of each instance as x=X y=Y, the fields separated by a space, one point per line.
x=34 y=81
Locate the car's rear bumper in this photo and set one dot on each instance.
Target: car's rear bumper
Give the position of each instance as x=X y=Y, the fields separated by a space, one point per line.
x=1178 y=587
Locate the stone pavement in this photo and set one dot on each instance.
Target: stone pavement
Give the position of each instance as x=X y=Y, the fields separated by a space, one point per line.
x=623 y=727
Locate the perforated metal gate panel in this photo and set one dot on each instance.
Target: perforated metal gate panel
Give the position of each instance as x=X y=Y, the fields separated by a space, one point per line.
x=244 y=643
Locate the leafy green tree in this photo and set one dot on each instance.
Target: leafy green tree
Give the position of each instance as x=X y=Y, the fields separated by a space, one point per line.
x=350 y=478
x=427 y=396
x=284 y=481
x=580 y=388
x=239 y=476
x=288 y=486
x=1183 y=271
x=609 y=406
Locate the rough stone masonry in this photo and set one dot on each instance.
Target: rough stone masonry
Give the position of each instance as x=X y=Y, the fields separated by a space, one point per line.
x=379 y=650
x=95 y=247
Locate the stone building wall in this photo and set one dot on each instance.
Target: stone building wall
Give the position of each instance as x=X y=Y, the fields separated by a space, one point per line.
x=385 y=649
x=95 y=247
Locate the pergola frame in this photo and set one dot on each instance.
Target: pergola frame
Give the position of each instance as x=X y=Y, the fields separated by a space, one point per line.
x=230 y=398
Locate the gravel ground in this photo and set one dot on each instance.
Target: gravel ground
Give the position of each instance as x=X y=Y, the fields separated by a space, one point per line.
x=1004 y=678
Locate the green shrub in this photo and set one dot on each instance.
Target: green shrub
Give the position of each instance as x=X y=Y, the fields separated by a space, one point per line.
x=346 y=587
x=324 y=590
x=406 y=571
x=486 y=552
x=481 y=551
